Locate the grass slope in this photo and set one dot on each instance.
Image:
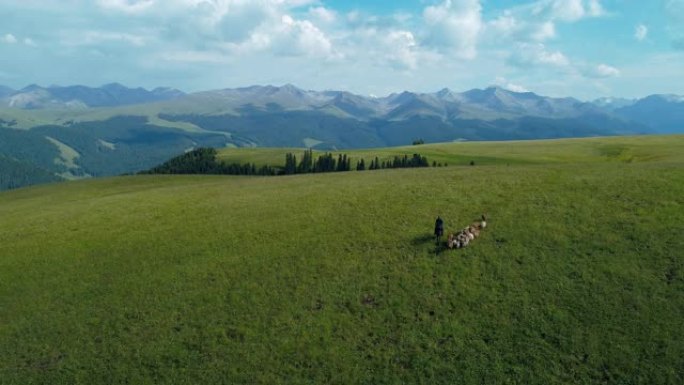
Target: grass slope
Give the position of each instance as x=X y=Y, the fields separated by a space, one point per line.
x=591 y=150
x=334 y=278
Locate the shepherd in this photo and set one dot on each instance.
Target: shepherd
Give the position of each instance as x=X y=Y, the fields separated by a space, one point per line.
x=439 y=229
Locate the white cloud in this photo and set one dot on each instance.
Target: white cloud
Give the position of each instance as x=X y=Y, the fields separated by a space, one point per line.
x=323 y=15
x=527 y=54
x=455 y=25
x=568 y=10
x=235 y=22
x=294 y=3
x=602 y=71
x=127 y=6
x=505 y=84
x=397 y=49
x=94 y=38
x=284 y=37
x=300 y=37
x=203 y=24
x=258 y=41
x=536 y=22
x=553 y=58
x=402 y=17
x=211 y=30
x=193 y=57
x=607 y=71
x=9 y=39
x=537 y=55
x=353 y=17
x=505 y=24
x=544 y=31
x=640 y=32
x=402 y=45
x=595 y=9
x=508 y=26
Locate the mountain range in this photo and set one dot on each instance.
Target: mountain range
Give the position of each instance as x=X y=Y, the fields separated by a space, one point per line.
x=109 y=95
x=77 y=131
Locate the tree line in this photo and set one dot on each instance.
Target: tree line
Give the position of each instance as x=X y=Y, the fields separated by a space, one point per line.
x=307 y=163
x=203 y=161
x=327 y=163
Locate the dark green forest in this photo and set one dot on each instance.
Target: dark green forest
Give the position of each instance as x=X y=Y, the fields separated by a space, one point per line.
x=203 y=161
x=15 y=174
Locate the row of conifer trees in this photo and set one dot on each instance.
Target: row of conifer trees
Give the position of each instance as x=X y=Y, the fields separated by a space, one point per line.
x=203 y=161
x=327 y=163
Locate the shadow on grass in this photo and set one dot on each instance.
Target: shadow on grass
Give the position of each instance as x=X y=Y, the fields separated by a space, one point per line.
x=423 y=239
x=438 y=246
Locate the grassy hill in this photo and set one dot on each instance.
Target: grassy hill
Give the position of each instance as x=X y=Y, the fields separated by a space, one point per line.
x=585 y=150
x=334 y=278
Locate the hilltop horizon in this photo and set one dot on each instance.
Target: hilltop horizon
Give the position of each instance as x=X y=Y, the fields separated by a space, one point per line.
x=5 y=90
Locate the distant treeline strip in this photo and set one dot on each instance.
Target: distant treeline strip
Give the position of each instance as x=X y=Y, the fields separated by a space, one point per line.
x=327 y=163
x=203 y=161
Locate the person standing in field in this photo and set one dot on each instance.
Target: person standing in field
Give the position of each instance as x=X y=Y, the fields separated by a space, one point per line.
x=439 y=228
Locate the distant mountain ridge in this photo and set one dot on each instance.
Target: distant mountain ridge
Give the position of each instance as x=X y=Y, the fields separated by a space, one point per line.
x=661 y=113
x=109 y=95
x=79 y=131
x=487 y=104
x=480 y=104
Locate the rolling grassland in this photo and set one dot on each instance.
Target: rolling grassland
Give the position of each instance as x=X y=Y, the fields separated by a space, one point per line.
x=625 y=149
x=336 y=279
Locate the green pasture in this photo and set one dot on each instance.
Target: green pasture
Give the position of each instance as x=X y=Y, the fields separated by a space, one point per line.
x=584 y=150
x=335 y=278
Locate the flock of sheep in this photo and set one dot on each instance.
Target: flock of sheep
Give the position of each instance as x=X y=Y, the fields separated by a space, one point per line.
x=469 y=233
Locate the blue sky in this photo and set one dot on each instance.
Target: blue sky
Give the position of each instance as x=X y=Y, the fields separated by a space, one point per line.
x=581 y=48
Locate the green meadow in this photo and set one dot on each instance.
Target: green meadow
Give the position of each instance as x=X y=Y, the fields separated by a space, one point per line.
x=592 y=150
x=336 y=279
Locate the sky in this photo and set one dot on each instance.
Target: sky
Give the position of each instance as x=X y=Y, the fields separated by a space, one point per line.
x=581 y=48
